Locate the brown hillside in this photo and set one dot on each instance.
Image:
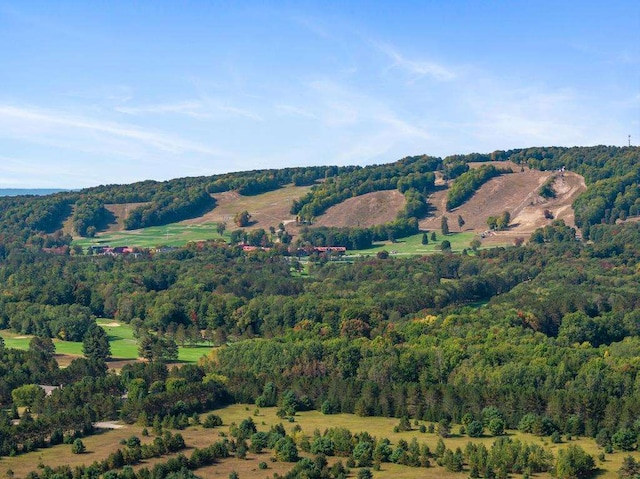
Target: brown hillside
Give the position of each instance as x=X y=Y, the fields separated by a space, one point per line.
x=267 y=209
x=364 y=211
x=516 y=193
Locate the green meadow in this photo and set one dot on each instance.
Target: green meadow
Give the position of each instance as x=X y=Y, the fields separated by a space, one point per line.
x=169 y=235
x=123 y=344
x=412 y=245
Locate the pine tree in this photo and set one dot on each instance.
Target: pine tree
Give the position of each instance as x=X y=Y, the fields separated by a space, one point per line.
x=95 y=344
x=444 y=225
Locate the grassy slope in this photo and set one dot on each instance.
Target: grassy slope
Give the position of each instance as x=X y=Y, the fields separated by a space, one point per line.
x=515 y=192
x=267 y=209
x=175 y=234
x=100 y=446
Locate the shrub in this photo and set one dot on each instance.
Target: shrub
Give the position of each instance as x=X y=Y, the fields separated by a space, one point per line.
x=78 y=447
x=212 y=420
x=475 y=429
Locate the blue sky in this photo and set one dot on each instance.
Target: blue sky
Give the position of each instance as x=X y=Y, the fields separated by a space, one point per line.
x=115 y=92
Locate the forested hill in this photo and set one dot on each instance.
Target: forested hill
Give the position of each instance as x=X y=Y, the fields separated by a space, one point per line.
x=542 y=336
x=611 y=173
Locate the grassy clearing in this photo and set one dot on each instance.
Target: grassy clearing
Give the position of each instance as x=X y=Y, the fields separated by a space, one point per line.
x=383 y=427
x=99 y=446
x=123 y=344
x=175 y=234
x=412 y=245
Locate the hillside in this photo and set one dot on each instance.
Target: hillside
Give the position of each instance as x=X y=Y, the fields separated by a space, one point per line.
x=367 y=210
x=516 y=193
x=390 y=200
x=266 y=209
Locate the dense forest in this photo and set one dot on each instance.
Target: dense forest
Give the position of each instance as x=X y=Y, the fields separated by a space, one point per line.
x=541 y=337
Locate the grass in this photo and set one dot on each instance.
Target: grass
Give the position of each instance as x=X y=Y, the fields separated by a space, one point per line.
x=99 y=446
x=123 y=344
x=412 y=245
x=267 y=209
x=383 y=427
x=170 y=235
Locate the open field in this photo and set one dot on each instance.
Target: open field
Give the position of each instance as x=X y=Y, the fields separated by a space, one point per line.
x=99 y=446
x=412 y=245
x=175 y=234
x=123 y=345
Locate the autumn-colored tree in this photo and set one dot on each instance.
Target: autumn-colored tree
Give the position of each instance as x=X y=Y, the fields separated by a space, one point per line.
x=242 y=219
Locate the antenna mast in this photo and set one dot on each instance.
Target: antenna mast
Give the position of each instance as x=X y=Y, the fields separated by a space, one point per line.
x=629 y=140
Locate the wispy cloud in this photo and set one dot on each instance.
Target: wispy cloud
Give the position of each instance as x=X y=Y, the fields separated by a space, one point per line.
x=188 y=108
x=240 y=112
x=22 y=122
x=504 y=117
x=290 y=110
x=416 y=69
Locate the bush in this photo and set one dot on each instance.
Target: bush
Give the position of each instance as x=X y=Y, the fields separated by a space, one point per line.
x=364 y=474
x=574 y=462
x=78 y=447
x=475 y=429
x=624 y=439
x=212 y=420
x=286 y=450
x=496 y=426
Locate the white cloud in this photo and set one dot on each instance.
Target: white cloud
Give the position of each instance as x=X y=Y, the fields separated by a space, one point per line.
x=35 y=124
x=289 y=110
x=188 y=108
x=240 y=112
x=416 y=69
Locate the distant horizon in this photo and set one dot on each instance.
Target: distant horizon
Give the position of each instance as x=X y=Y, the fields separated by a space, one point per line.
x=118 y=92
x=31 y=191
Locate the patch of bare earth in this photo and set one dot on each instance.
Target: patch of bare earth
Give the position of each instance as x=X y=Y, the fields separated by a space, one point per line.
x=516 y=193
x=365 y=210
x=267 y=209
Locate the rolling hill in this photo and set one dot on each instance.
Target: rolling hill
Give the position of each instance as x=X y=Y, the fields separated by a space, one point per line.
x=589 y=186
x=514 y=192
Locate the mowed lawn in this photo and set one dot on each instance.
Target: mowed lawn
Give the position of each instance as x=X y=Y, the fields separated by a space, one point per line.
x=412 y=245
x=99 y=446
x=123 y=344
x=170 y=235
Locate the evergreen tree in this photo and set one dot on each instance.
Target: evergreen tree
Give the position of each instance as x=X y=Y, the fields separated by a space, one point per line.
x=95 y=344
x=444 y=225
x=78 y=447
